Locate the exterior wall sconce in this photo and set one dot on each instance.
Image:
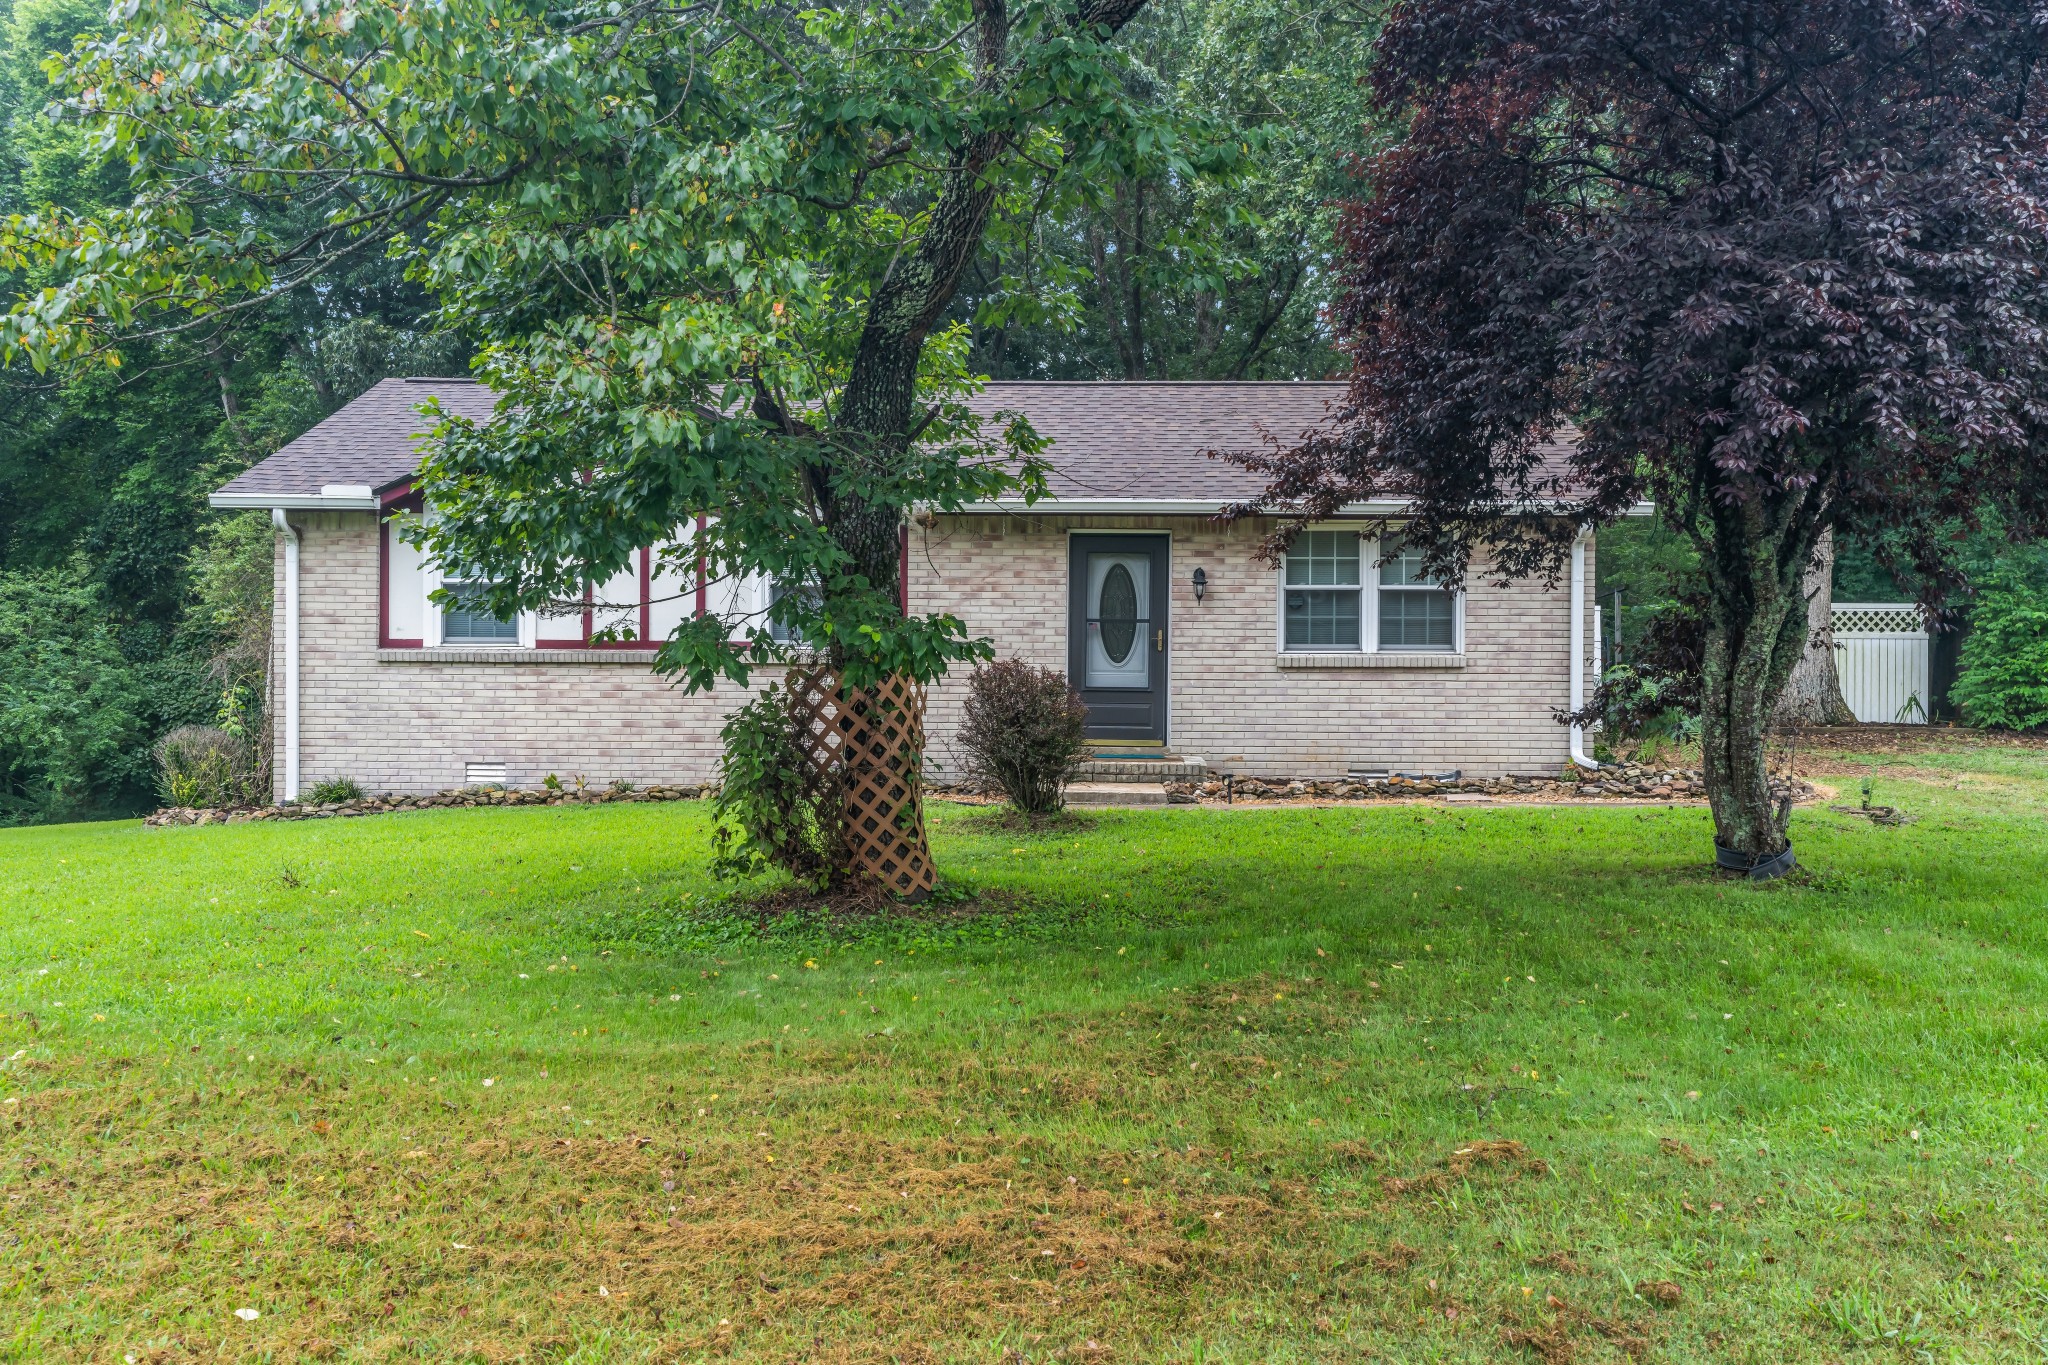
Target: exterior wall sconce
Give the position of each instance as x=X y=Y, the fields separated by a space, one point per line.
x=1201 y=583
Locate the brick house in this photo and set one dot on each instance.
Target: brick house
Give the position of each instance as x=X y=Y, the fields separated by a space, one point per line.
x=1180 y=640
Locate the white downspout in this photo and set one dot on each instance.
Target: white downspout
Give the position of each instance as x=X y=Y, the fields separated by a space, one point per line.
x=1578 y=670
x=291 y=651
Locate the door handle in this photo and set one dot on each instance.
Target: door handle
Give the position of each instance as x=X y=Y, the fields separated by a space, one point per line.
x=1159 y=639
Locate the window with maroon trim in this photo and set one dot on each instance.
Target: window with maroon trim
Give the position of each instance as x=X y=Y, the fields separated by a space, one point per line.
x=637 y=608
x=642 y=605
x=401 y=614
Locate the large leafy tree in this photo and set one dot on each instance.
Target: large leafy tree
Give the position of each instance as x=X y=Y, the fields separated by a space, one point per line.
x=1781 y=261
x=104 y=472
x=1148 y=274
x=707 y=251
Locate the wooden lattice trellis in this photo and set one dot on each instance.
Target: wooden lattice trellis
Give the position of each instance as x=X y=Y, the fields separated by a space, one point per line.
x=865 y=746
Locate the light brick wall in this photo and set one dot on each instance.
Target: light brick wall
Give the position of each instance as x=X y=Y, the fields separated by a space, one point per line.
x=1228 y=700
x=411 y=726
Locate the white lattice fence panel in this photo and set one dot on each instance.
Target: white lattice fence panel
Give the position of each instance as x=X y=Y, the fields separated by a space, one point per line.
x=1878 y=618
x=1881 y=656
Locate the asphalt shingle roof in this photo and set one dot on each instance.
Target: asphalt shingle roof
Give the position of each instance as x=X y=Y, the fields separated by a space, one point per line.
x=1151 y=440
x=1110 y=441
x=372 y=441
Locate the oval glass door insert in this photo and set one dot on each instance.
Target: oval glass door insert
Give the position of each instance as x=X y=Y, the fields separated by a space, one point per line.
x=1119 y=624
x=1118 y=613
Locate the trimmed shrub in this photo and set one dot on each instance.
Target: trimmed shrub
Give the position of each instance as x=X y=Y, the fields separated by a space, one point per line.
x=1024 y=731
x=769 y=814
x=2003 y=679
x=199 y=765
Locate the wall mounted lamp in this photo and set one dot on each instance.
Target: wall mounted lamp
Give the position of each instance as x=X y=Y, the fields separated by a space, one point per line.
x=1201 y=583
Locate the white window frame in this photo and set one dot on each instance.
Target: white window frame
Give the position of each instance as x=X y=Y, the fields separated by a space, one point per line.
x=1370 y=551
x=1368 y=577
x=1457 y=607
x=431 y=579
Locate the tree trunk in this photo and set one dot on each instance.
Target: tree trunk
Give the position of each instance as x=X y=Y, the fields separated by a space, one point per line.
x=876 y=408
x=1755 y=634
x=1814 y=693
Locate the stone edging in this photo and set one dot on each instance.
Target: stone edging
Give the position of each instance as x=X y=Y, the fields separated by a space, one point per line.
x=389 y=804
x=1616 y=782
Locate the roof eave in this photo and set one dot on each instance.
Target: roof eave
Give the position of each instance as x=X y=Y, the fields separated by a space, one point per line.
x=332 y=498
x=1190 y=507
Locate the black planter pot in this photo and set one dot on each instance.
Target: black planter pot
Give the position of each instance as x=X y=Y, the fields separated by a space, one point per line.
x=1758 y=869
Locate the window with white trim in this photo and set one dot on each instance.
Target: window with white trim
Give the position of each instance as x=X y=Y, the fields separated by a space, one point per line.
x=1323 y=593
x=1337 y=597
x=1416 y=614
x=467 y=619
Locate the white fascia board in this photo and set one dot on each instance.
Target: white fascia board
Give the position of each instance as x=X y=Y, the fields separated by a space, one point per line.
x=296 y=502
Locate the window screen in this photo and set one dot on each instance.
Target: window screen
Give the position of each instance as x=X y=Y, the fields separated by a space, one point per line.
x=1415 y=612
x=1320 y=606
x=467 y=618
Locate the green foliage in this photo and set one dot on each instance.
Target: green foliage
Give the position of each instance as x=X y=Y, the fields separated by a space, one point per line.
x=770 y=815
x=110 y=468
x=2003 y=680
x=334 y=790
x=230 y=568
x=205 y=766
x=1643 y=703
x=707 y=256
x=1650 y=564
x=1024 y=729
x=73 y=712
x=1152 y=275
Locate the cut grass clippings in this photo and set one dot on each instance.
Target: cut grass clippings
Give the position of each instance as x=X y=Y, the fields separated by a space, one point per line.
x=1401 y=1083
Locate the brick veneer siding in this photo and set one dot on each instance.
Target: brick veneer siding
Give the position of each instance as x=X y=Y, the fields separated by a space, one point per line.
x=398 y=722
x=411 y=726
x=1229 y=700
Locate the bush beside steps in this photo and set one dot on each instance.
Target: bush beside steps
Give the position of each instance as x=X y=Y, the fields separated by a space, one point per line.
x=387 y=803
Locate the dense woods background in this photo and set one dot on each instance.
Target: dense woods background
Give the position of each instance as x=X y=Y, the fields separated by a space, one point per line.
x=128 y=608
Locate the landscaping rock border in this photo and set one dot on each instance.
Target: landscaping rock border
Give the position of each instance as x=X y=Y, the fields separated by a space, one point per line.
x=1613 y=782
x=462 y=796
x=1621 y=781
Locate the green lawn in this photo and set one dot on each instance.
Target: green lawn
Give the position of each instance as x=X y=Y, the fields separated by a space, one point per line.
x=1194 y=1085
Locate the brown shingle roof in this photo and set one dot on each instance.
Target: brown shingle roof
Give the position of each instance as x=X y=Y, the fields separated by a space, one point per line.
x=1150 y=440
x=371 y=442
x=1111 y=442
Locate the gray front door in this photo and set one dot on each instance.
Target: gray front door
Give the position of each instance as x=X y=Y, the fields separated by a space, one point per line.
x=1116 y=655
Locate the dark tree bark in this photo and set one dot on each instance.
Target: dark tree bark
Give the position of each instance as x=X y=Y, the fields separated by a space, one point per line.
x=1278 y=300
x=1756 y=631
x=875 y=418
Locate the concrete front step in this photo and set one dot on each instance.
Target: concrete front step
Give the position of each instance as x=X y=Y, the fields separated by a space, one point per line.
x=1168 y=768
x=1124 y=793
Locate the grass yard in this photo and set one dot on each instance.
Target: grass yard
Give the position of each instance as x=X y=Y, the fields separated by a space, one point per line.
x=1396 y=1083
